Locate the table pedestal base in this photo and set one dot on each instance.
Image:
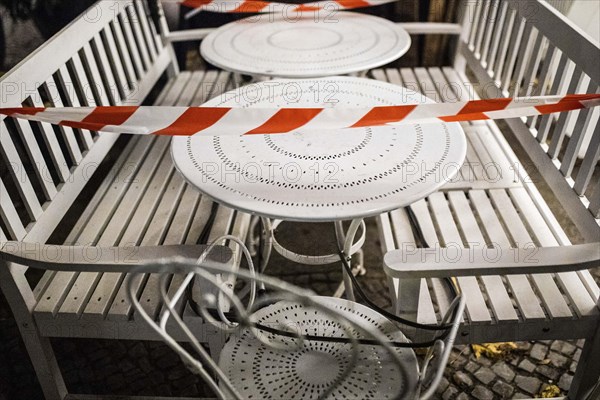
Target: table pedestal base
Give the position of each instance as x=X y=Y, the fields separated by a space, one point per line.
x=346 y=240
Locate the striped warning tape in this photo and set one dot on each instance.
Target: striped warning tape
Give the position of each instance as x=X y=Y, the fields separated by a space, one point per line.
x=259 y=6
x=238 y=121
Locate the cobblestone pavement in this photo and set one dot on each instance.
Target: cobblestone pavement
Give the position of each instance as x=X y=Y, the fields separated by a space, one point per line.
x=150 y=368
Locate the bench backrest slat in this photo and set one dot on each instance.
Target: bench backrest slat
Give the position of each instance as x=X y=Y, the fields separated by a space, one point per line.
x=110 y=55
x=530 y=48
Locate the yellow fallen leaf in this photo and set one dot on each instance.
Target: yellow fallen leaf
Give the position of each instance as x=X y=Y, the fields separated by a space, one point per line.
x=551 y=391
x=493 y=350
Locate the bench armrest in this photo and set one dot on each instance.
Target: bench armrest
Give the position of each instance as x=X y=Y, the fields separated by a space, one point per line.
x=101 y=259
x=411 y=262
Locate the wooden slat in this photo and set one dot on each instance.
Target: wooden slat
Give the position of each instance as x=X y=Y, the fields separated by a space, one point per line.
x=49 y=136
x=558 y=78
x=571 y=284
x=583 y=127
x=523 y=293
x=498 y=297
x=101 y=95
x=112 y=87
x=545 y=285
x=100 y=300
x=425 y=222
x=68 y=135
x=379 y=74
x=16 y=169
x=121 y=307
x=590 y=160
x=491 y=25
x=136 y=59
x=53 y=297
x=525 y=45
x=138 y=38
x=559 y=132
x=499 y=26
x=123 y=52
x=515 y=41
x=530 y=71
x=112 y=54
x=543 y=78
x=9 y=215
x=403 y=234
x=132 y=234
x=42 y=171
x=505 y=39
x=143 y=19
x=475 y=304
x=394 y=77
x=67 y=85
x=483 y=27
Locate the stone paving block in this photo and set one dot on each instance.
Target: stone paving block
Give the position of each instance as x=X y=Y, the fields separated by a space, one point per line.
x=462 y=380
x=538 y=351
x=444 y=383
x=557 y=359
x=577 y=355
x=449 y=393
x=563 y=347
x=503 y=389
x=565 y=381
x=503 y=370
x=529 y=384
x=472 y=366
x=527 y=365
x=482 y=393
x=484 y=375
x=548 y=372
x=463 y=396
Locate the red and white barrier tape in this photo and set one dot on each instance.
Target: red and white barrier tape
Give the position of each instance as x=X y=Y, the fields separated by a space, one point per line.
x=237 y=121
x=259 y=6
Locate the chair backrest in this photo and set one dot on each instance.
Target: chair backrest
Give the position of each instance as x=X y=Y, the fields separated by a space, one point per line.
x=110 y=55
x=527 y=47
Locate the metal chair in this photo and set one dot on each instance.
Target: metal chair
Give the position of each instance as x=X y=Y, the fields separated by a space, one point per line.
x=291 y=343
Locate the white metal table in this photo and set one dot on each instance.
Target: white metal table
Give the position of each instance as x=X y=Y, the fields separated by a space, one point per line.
x=305 y=46
x=326 y=175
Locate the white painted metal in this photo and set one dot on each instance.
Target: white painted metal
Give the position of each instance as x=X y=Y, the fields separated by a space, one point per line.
x=259 y=371
x=305 y=47
x=322 y=176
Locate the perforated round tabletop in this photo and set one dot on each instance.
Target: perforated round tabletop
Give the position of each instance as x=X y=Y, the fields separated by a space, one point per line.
x=322 y=175
x=305 y=46
x=259 y=372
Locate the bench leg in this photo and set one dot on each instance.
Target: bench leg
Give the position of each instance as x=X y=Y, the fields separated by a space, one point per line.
x=21 y=300
x=588 y=368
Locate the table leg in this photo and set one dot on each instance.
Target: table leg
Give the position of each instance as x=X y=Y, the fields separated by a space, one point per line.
x=345 y=241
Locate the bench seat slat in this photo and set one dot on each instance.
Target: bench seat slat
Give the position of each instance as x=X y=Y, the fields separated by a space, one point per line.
x=571 y=283
x=121 y=307
x=89 y=293
x=134 y=232
x=475 y=303
x=519 y=284
x=499 y=299
x=404 y=235
x=421 y=211
x=545 y=285
x=97 y=221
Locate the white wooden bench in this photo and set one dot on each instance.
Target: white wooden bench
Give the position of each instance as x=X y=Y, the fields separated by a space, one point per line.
x=112 y=55
x=523 y=288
